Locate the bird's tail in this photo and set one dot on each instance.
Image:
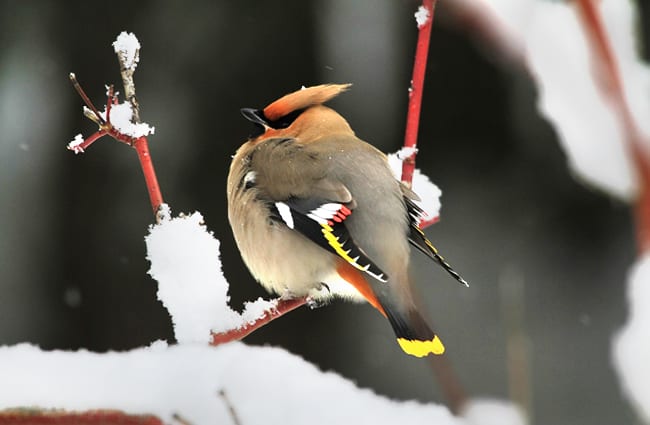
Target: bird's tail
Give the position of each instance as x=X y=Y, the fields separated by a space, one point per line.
x=413 y=333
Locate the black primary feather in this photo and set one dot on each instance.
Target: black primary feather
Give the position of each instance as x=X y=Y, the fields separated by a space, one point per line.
x=418 y=239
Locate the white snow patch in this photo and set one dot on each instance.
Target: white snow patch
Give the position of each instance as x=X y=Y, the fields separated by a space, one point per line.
x=492 y=412
x=406 y=152
x=185 y=261
x=128 y=47
x=631 y=345
x=422 y=16
x=428 y=192
x=188 y=379
x=254 y=310
x=75 y=144
x=122 y=119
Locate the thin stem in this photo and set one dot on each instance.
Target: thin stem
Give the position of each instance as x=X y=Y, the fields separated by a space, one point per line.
x=284 y=306
x=231 y=407
x=415 y=91
x=142 y=148
x=85 y=98
x=109 y=102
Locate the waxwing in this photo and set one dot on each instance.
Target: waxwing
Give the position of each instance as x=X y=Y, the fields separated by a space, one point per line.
x=317 y=212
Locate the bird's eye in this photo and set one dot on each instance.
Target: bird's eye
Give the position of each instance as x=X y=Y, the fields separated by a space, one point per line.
x=286 y=120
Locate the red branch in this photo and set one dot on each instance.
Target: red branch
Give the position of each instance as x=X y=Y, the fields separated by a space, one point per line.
x=284 y=306
x=415 y=92
x=106 y=128
x=142 y=148
x=611 y=86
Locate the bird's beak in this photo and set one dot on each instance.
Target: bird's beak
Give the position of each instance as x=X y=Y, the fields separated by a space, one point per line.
x=255 y=116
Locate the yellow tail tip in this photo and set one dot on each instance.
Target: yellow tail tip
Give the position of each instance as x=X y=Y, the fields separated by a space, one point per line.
x=420 y=348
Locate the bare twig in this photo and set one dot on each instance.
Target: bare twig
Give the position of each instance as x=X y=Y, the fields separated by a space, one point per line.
x=181 y=420
x=128 y=62
x=231 y=408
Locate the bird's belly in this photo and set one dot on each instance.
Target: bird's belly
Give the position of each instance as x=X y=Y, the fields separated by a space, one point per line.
x=283 y=261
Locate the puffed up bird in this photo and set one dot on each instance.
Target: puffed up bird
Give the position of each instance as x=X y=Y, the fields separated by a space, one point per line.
x=317 y=212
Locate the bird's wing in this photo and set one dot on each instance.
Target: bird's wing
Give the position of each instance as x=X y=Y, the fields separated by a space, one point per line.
x=418 y=239
x=323 y=222
x=304 y=198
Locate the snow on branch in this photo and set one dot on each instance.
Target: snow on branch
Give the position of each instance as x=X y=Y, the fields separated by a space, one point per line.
x=428 y=192
x=185 y=261
x=121 y=121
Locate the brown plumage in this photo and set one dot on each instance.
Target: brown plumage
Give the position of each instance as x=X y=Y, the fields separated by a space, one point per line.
x=317 y=212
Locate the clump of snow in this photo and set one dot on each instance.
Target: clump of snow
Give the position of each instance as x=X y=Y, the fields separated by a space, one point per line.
x=428 y=192
x=128 y=47
x=422 y=16
x=185 y=261
x=631 y=346
x=253 y=310
x=187 y=379
x=75 y=144
x=492 y=412
x=122 y=119
x=406 y=152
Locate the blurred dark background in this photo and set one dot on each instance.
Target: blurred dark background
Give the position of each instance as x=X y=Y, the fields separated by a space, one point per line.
x=545 y=255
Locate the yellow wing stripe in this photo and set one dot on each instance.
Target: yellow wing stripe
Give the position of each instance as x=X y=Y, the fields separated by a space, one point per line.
x=334 y=243
x=426 y=240
x=419 y=348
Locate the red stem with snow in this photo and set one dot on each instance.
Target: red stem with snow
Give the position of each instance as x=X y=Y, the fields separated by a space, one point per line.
x=283 y=307
x=415 y=92
x=106 y=128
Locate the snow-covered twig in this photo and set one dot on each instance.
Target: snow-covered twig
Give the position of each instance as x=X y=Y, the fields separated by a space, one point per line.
x=282 y=307
x=124 y=125
x=424 y=18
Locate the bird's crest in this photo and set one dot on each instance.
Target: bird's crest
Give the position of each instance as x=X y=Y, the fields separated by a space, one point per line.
x=302 y=99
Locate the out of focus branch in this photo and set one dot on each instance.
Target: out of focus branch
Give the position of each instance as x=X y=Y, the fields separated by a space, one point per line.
x=611 y=86
x=91 y=417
